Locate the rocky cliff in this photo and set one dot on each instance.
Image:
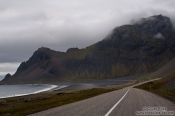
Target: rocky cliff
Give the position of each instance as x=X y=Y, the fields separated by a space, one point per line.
x=130 y=49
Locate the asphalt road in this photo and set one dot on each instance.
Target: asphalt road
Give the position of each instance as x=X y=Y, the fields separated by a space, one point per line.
x=124 y=102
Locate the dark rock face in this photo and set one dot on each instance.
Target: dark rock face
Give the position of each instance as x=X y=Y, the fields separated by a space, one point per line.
x=70 y=50
x=146 y=43
x=40 y=55
x=8 y=75
x=128 y=50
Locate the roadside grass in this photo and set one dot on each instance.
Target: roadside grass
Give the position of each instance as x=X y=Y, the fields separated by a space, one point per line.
x=21 y=106
x=161 y=87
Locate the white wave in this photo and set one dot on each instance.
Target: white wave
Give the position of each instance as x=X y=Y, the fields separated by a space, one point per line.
x=52 y=87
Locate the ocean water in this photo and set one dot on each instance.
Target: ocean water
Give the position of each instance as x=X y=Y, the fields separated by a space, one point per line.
x=26 y=89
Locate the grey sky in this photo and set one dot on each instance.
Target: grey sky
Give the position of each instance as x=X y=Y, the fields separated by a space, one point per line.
x=8 y=68
x=26 y=25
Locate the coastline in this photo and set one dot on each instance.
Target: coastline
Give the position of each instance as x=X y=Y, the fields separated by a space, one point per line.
x=52 y=87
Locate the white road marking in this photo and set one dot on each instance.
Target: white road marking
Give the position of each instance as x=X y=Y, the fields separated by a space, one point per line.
x=109 y=112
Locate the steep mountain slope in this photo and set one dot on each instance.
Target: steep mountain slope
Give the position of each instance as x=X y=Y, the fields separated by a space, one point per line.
x=130 y=49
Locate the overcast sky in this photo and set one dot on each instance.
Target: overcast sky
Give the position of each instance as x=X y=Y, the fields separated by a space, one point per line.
x=26 y=25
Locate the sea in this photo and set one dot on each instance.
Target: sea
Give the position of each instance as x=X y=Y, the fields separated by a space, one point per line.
x=19 y=90
x=24 y=89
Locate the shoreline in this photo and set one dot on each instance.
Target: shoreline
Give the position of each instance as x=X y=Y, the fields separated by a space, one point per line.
x=36 y=92
x=75 y=86
x=25 y=105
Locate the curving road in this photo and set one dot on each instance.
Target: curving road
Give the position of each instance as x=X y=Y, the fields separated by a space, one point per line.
x=124 y=102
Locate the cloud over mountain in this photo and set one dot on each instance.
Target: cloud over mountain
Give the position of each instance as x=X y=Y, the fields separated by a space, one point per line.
x=27 y=25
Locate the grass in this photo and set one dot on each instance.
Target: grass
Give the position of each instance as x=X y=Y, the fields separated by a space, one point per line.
x=160 y=87
x=21 y=106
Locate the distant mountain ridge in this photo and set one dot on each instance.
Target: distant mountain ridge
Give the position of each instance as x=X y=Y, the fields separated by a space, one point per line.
x=130 y=49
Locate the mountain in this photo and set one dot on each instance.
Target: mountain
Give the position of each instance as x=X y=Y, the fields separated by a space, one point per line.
x=138 y=48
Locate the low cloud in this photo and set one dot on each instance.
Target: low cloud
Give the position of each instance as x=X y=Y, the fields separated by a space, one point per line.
x=26 y=25
x=8 y=68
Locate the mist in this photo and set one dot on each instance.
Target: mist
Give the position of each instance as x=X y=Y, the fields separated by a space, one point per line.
x=26 y=25
x=8 y=68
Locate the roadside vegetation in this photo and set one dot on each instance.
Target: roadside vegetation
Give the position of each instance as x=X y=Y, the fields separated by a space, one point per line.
x=163 y=87
x=21 y=106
